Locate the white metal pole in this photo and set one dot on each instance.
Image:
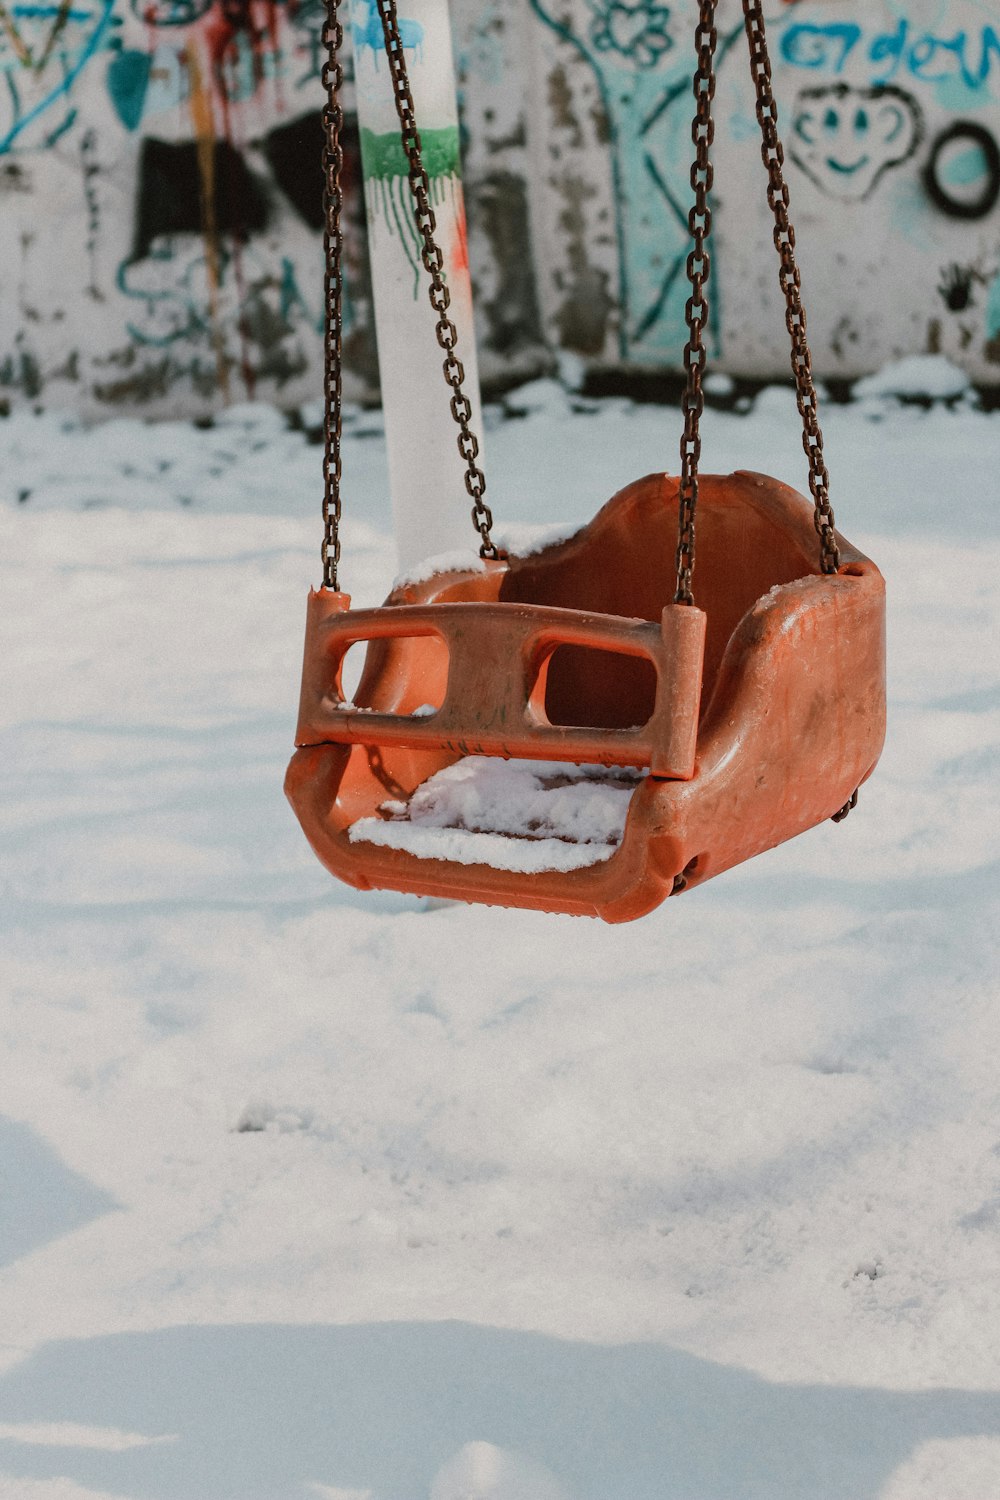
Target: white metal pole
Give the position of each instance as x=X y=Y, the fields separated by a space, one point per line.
x=430 y=504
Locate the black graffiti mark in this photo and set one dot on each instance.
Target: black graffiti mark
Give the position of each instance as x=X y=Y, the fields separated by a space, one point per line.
x=498 y=206
x=21 y=370
x=294 y=154
x=91 y=171
x=956 y=284
x=989 y=196
x=845 y=138
x=13 y=178
x=171 y=188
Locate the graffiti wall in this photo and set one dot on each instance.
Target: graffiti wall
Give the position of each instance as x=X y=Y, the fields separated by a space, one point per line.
x=160 y=225
x=891 y=124
x=890 y=114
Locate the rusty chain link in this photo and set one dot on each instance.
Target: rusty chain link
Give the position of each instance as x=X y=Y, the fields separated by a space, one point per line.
x=696 y=312
x=847 y=808
x=333 y=248
x=698 y=270
x=440 y=296
x=773 y=157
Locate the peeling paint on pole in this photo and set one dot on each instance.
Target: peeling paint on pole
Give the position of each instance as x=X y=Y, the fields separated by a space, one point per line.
x=426 y=471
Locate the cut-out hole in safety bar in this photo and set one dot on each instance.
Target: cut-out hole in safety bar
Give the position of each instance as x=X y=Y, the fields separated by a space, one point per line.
x=594 y=687
x=351 y=669
x=371 y=657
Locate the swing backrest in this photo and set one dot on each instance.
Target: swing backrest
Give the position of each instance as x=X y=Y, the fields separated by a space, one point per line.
x=753 y=533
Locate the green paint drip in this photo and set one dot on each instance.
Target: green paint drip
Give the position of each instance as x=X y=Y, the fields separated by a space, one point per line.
x=390 y=201
x=383 y=157
x=388 y=193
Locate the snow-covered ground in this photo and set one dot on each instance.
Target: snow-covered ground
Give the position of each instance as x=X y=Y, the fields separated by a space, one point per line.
x=308 y=1193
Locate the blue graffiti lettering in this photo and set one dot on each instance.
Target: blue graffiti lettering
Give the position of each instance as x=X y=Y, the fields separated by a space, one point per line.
x=923 y=55
x=889 y=49
x=991 y=49
x=811 y=46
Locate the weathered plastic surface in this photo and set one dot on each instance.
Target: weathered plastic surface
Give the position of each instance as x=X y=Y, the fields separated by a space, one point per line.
x=792 y=710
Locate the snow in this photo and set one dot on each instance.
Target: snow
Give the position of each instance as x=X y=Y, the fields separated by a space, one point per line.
x=313 y=1192
x=440 y=562
x=527 y=539
x=537 y=398
x=465 y=847
x=75 y=1435
x=482 y=1469
x=527 y=816
x=718 y=383
x=931 y=376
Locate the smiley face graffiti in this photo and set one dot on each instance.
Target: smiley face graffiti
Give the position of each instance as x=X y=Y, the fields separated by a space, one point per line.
x=846 y=138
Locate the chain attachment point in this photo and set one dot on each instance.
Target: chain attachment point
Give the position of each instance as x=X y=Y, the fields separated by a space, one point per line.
x=847 y=808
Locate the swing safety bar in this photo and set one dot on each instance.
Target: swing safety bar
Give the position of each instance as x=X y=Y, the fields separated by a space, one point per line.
x=493 y=702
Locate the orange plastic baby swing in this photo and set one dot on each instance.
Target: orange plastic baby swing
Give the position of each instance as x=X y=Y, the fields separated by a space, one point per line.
x=753 y=717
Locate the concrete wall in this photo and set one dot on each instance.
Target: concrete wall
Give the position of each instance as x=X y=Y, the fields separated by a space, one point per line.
x=159 y=191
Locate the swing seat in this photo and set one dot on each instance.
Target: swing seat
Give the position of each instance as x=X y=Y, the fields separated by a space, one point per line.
x=743 y=722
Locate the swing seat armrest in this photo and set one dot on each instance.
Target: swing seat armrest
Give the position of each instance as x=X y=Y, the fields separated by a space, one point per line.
x=493 y=700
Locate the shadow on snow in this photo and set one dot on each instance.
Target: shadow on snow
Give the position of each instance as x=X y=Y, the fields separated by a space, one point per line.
x=259 y=1412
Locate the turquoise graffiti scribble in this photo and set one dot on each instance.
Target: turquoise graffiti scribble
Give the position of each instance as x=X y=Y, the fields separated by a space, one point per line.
x=47 y=13
x=637 y=31
x=644 y=82
x=993 y=311
x=167 y=291
x=128 y=80
x=66 y=64
x=366 y=31
x=964 y=169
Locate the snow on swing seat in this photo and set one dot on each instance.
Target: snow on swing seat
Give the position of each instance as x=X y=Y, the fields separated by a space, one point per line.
x=523 y=816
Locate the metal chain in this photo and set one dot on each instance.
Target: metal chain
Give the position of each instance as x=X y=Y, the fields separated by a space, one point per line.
x=773 y=157
x=440 y=296
x=697 y=309
x=698 y=268
x=847 y=808
x=333 y=247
